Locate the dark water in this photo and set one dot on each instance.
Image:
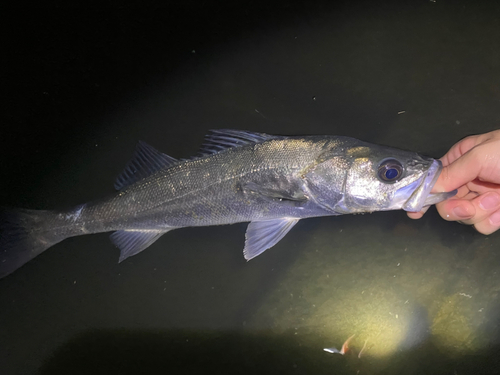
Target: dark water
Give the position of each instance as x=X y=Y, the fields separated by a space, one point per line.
x=80 y=88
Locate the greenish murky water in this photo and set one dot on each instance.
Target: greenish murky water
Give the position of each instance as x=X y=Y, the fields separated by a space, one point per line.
x=401 y=287
x=81 y=88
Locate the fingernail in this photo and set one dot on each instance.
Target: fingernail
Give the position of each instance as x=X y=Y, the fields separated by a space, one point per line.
x=490 y=201
x=495 y=218
x=461 y=212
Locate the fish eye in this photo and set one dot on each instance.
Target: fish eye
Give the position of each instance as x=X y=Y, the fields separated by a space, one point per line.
x=390 y=170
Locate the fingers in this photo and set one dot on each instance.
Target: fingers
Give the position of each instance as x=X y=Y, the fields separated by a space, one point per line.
x=457 y=210
x=480 y=208
x=482 y=211
x=473 y=167
x=490 y=224
x=459 y=172
x=476 y=157
x=459 y=149
x=468 y=143
x=461 y=193
x=417 y=215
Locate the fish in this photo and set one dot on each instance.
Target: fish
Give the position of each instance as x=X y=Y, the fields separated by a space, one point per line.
x=271 y=181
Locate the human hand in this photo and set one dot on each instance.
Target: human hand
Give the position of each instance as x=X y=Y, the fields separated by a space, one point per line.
x=473 y=167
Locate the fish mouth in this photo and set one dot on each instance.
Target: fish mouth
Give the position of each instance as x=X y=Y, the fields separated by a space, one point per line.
x=420 y=190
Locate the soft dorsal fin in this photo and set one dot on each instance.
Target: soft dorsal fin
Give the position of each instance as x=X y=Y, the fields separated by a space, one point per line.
x=222 y=139
x=145 y=161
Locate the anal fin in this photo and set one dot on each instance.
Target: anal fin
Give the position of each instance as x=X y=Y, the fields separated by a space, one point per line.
x=132 y=242
x=261 y=235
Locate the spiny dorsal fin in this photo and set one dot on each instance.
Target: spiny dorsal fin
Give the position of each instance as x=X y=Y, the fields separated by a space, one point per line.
x=222 y=139
x=145 y=161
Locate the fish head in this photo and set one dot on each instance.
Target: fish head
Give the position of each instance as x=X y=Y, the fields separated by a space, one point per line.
x=367 y=178
x=384 y=178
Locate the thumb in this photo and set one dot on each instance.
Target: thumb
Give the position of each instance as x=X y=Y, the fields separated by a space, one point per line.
x=463 y=170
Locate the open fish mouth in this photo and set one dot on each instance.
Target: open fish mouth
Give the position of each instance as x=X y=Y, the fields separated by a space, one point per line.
x=420 y=190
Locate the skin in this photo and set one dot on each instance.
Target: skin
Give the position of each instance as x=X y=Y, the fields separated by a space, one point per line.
x=473 y=167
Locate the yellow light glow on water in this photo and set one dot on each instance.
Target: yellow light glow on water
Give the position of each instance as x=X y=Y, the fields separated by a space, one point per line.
x=397 y=298
x=370 y=314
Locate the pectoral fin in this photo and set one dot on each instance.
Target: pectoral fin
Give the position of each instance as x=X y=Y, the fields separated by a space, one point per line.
x=288 y=193
x=261 y=235
x=131 y=242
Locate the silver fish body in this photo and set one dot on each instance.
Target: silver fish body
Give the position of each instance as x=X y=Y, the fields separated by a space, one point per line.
x=270 y=181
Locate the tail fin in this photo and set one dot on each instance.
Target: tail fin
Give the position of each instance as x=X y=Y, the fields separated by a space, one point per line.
x=24 y=234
